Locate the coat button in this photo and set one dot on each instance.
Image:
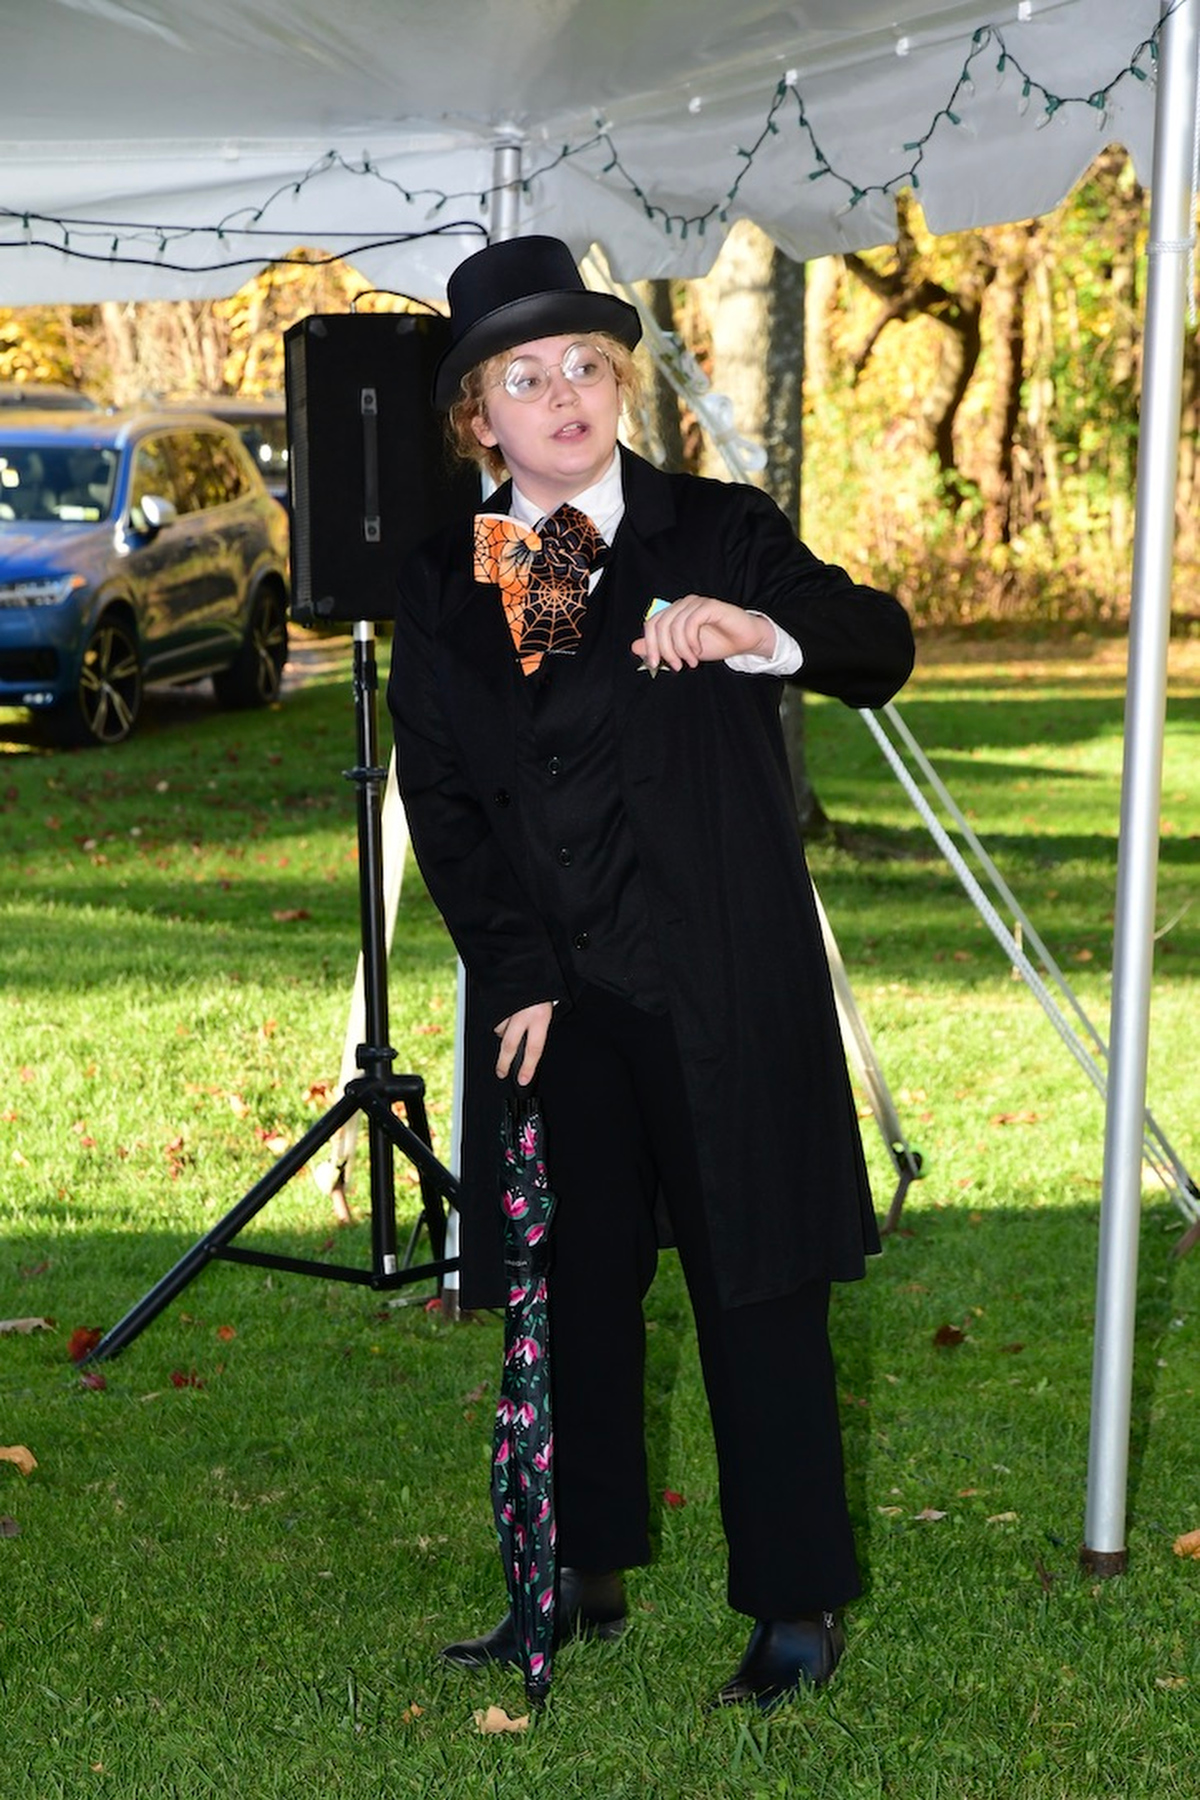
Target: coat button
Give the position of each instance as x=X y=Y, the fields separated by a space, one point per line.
x=566 y=857
x=553 y=765
x=502 y=797
x=581 y=940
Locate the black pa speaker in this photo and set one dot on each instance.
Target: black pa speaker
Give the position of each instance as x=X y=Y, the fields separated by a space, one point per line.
x=369 y=471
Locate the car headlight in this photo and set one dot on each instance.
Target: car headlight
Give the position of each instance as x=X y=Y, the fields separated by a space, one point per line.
x=50 y=592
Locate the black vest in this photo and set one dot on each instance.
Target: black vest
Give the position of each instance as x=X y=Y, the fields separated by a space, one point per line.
x=581 y=850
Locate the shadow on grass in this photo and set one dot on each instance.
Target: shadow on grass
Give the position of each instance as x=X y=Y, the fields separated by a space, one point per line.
x=965 y=1365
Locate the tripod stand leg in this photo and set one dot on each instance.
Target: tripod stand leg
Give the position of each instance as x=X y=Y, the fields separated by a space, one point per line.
x=374 y=1092
x=227 y=1228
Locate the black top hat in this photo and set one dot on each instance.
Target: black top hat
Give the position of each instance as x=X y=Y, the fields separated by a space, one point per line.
x=522 y=288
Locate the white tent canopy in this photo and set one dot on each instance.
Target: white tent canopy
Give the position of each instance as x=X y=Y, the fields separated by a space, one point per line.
x=165 y=149
x=159 y=148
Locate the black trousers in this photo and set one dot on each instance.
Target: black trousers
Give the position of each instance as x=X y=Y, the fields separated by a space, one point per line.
x=617 y=1129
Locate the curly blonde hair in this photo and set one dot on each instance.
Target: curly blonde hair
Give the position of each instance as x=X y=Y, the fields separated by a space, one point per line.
x=471 y=404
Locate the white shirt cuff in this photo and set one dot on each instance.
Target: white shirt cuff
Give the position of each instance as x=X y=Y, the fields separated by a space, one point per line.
x=786 y=659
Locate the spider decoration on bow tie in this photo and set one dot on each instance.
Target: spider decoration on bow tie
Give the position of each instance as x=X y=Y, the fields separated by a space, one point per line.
x=543 y=577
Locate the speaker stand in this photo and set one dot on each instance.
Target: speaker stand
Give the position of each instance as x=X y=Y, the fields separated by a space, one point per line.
x=375 y=1093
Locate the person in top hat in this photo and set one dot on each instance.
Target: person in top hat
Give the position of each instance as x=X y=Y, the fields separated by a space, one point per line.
x=585 y=691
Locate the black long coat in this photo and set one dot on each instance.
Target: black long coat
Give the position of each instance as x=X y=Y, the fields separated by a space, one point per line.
x=705 y=786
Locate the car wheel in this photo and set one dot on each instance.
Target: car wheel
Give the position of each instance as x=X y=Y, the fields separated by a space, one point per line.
x=255 y=676
x=108 y=699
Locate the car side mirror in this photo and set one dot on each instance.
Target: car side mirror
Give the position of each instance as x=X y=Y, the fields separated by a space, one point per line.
x=156 y=511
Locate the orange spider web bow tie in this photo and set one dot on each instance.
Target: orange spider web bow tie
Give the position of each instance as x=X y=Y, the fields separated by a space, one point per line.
x=542 y=576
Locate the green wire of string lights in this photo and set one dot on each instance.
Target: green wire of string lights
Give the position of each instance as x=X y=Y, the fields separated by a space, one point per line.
x=124 y=241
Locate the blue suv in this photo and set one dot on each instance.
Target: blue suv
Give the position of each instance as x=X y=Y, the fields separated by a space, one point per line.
x=134 y=547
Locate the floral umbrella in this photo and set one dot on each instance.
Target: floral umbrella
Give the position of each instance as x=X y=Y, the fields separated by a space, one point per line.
x=523 y=1438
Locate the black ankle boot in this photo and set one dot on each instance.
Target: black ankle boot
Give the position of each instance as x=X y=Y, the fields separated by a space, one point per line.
x=588 y=1606
x=783 y=1656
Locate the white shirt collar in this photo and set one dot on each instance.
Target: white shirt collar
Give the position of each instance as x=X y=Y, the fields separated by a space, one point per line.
x=603 y=502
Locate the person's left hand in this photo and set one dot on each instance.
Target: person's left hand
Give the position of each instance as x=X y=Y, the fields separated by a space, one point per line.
x=699 y=629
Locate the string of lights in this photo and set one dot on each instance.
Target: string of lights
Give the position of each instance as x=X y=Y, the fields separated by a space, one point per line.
x=135 y=242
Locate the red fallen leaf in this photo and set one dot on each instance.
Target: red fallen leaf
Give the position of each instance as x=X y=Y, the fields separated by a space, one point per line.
x=671 y=1498
x=434 y=1305
x=82 y=1342
x=226 y=1333
x=180 y=1380
x=91 y=1378
x=25 y=1073
x=288 y=915
x=949 y=1335
x=1011 y=1349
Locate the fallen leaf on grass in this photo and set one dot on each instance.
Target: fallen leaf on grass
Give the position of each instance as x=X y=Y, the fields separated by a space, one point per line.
x=496 y=1719
x=671 y=1498
x=1188 y=1544
x=82 y=1342
x=91 y=1378
x=288 y=915
x=1004 y=1518
x=180 y=1380
x=25 y=1325
x=949 y=1335
x=9 y=1526
x=929 y=1515
x=226 y=1333
x=1170 y=1681
x=25 y=1460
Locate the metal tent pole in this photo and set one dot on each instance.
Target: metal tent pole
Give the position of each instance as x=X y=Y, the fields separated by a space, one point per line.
x=1172 y=237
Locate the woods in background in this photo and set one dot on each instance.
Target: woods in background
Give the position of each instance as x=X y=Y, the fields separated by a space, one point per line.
x=953 y=417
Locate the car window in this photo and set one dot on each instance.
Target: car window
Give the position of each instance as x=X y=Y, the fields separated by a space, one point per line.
x=70 y=482
x=152 y=474
x=24 y=490
x=208 y=471
x=196 y=482
x=228 y=467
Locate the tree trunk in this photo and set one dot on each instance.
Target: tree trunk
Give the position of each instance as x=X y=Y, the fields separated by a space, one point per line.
x=756 y=312
x=997 y=439
x=663 y=427
x=908 y=289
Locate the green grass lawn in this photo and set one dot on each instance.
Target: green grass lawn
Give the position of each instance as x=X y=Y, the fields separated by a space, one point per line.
x=231 y=1569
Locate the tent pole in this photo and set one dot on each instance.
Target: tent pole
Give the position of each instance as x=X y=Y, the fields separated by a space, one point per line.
x=506 y=187
x=1172 y=234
